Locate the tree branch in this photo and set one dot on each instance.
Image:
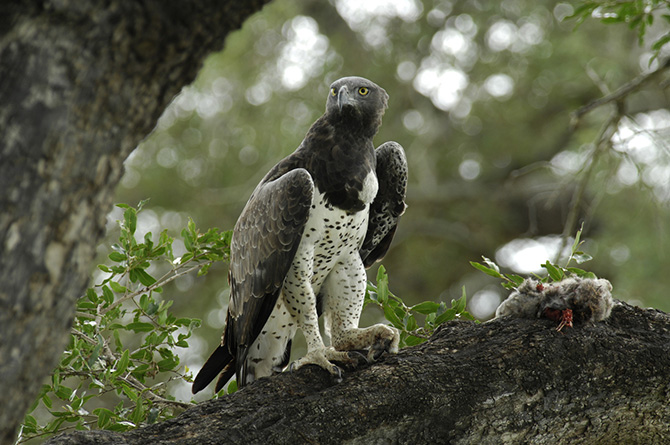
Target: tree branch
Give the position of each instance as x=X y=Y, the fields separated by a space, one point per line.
x=505 y=381
x=620 y=93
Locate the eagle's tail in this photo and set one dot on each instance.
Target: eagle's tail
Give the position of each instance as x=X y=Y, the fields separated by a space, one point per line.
x=221 y=361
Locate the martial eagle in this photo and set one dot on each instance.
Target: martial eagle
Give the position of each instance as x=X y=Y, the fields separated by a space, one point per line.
x=301 y=245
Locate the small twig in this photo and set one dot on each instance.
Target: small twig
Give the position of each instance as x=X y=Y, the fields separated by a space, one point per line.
x=165 y=279
x=83 y=336
x=602 y=142
x=109 y=355
x=23 y=439
x=84 y=315
x=619 y=94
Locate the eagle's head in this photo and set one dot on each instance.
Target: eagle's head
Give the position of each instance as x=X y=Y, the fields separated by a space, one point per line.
x=357 y=99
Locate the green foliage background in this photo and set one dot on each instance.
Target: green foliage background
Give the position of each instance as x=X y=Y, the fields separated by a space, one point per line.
x=488 y=164
x=482 y=98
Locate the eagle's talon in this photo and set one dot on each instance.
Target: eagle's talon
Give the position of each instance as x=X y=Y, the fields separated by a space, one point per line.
x=356 y=357
x=379 y=348
x=337 y=371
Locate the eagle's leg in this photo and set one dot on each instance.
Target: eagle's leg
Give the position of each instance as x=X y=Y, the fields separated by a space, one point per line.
x=301 y=303
x=343 y=296
x=318 y=353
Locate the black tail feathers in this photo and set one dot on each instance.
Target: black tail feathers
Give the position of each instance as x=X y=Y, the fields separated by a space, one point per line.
x=220 y=360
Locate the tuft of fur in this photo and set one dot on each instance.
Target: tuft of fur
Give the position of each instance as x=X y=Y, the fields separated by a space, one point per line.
x=590 y=300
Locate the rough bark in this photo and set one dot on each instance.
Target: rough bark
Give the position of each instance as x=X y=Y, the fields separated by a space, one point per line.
x=81 y=83
x=506 y=381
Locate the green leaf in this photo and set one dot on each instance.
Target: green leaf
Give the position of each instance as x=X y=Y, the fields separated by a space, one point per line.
x=121 y=426
x=382 y=285
x=582 y=257
x=117 y=287
x=47 y=401
x=29 y=425
x=516 y=279
x=577 y=242
x=95 y=353
x=413 y=341
x=427 y=307
x=137 y=416
x=391 y=316
x=487 y=270
x=63 y=392
x=104 y=268
x=168 y=364
x=122 y=364
x=144 y=277
x=232 y=387
x=555 y=273
x=141 y=204
x=117 y=338
x=449 y=314
x=91 y=295
x=130 y=220
x=459 y=305
x=105 y=417
x=204 y=269
x=139 y=326
x=410 y=322
x=153 y=415
x=117 y=257
x=577 y=271
x=107 y=295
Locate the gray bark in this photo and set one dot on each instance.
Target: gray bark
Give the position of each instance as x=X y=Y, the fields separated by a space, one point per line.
x=506 y=381
x=81 y=83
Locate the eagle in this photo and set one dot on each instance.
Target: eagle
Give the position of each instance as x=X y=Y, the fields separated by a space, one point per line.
x=301 y=245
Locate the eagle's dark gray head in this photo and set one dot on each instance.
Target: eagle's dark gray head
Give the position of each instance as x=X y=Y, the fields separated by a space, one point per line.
x=357 y=98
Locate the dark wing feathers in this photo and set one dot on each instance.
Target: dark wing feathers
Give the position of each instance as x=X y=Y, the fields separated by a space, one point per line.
x=267 y=235
x=265 y=240
x=389 y=203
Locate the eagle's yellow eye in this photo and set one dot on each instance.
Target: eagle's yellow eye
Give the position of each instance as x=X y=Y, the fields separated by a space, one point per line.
x=363 y=91
x=333 y=91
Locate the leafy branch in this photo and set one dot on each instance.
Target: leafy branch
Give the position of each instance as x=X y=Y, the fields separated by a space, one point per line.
x=124 y=337
x=555 y=272
x=404 y=317
x=637 y=14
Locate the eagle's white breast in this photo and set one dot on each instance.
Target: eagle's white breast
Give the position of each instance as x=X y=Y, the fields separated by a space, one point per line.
x=370 y=188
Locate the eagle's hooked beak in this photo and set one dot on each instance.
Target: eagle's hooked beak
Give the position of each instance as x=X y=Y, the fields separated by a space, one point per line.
x=343 y=97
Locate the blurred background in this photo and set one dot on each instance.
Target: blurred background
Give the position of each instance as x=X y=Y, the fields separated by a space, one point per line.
x=481 y=96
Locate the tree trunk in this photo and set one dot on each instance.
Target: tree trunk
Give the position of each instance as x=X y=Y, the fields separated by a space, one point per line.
x=505 y=381
x=81 y=83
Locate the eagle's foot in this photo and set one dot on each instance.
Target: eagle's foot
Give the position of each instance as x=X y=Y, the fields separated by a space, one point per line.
x=375 y=340
x=387 y=339
x=323 y=358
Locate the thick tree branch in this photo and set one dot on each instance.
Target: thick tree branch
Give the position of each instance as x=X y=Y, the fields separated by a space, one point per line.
x=81 y=83
x=505 y=381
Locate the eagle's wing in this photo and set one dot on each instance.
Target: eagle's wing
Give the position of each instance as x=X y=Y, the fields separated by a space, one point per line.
x=265 y=240
x=389 y=203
